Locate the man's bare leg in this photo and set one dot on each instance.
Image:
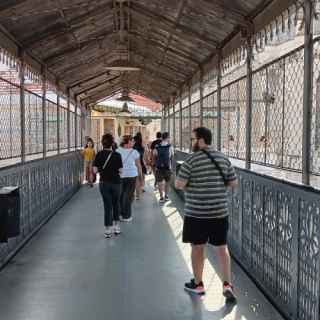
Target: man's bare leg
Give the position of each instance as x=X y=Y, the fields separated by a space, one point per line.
x=197 y=259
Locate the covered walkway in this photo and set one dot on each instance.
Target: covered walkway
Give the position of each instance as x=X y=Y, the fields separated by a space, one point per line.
x=70 y=271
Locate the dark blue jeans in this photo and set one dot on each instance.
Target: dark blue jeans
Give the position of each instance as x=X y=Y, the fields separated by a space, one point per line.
x=111 y=200
x=128 y=186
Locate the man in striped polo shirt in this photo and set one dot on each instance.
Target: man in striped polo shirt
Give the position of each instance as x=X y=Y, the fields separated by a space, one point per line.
x=205 y=177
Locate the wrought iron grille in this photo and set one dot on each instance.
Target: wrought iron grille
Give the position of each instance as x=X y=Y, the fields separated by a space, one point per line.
x=277 y=112
x=33 y=123
x=52 y=122
x=79 y=131
x=72 y=130
x=63 y=123
x=10 y=119
x=195 y=115
x=275 y=234
x=177 y=125
x=185 y=129
x=45 y=185
x=315 y=131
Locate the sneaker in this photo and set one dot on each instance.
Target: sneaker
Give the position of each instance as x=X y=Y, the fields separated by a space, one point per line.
x=166 y=198
x=126 y=219
x=195 y=288
x=228 y=292
x=108 y=232
x=116 y=228
x=162 y=200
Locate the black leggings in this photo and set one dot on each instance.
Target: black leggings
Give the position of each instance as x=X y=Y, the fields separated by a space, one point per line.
x=128 y=186
x=111 y=195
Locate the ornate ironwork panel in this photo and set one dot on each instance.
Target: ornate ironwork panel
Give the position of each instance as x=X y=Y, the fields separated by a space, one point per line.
x=44 y=186
x=309 y=276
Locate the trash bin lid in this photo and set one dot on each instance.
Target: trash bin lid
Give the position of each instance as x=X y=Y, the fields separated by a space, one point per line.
x=8 y=189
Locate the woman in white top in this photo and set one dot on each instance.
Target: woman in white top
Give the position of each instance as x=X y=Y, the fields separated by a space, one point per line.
x=131 y=170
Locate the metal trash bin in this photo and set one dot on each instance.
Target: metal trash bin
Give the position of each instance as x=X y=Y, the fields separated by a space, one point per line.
x=9 y=213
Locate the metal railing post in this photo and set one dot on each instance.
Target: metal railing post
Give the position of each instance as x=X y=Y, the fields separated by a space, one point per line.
x=180 y=120
x=76 y=123
x=68 y=121
x=190 y=114
x=201 y=96
x=219 y=114
x=307 y=91
x=168 y=113
x=249 y=103
x=44 y=110
x=174 y=121
x=22 y=107
x=58 y=117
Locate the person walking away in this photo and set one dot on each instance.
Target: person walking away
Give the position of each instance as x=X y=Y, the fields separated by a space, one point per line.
x=131 y=170
x=152 y=148
x=89 y=154
x=205 y=177
x=163 y=154
x=138 y=145
x=109 y=165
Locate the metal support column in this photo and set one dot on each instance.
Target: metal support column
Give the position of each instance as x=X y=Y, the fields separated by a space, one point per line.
x=307 y=91
x=22 y=107
x=201 y=96
x=249 y=103
x=190 y=115
x=68 y=121
x=174 y=122
x=58 y=117
x=219 y=113
x=44 y=110
x=168 y=113
x=76 y=123
x=180 y=120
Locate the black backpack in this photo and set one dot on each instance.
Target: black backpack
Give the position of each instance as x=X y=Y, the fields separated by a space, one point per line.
x=163 y=156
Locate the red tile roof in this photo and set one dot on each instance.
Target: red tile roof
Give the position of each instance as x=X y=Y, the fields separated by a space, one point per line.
x=145 y=102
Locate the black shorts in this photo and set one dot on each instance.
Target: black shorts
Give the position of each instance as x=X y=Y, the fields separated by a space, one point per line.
x=202 y=231
x=163 y=174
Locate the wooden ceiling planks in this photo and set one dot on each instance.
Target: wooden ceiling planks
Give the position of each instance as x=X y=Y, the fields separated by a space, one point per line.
x=169 y=40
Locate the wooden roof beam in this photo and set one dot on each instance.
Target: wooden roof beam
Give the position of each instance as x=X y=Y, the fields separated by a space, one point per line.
x=58 y=29
x=89 y=78
x=8 y=4
x=177 y=53
x=186 y=33
x=72 y=49
x=96 y=85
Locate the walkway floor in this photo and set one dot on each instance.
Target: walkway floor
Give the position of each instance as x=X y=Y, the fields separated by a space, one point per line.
x=69 y=271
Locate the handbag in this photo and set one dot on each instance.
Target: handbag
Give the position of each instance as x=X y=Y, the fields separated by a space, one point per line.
x=213 y=160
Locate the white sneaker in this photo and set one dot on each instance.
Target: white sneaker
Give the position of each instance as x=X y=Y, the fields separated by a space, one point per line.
x=108 y=232
x=116 y=228
x=126 y=219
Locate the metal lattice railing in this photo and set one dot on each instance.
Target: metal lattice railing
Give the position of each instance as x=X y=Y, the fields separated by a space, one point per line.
x=45 y=185
x=33 y=123
x=10 y=117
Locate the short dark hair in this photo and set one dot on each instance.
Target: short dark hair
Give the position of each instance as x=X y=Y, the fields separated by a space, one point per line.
x=159 y=135
x=165 y=135
x=125 y=140
x=204 y=133
x=107 y=140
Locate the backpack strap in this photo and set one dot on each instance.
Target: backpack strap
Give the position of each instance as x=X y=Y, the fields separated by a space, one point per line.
x=214 y=161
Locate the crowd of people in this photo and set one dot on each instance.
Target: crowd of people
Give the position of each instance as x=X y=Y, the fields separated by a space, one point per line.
x=205 y=177
x=122 y=172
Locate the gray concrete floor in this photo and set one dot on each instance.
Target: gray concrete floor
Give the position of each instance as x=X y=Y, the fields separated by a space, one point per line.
x=70 y=271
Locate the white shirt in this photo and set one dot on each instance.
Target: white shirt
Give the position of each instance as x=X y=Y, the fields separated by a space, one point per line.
x=129 y=157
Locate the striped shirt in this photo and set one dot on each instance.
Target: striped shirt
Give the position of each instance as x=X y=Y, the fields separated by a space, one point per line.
x=205 y=192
